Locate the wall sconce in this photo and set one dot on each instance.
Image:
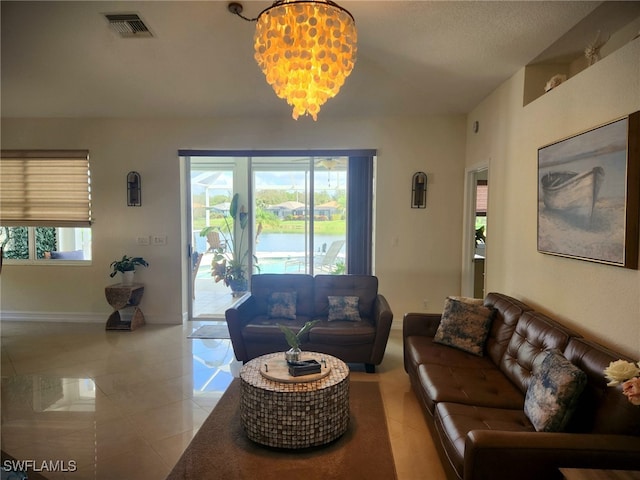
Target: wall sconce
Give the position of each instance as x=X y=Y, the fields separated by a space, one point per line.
x=419 y=190
x=134 y=189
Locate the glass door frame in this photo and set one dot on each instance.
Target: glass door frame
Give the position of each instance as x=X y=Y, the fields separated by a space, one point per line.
x=308 y=166
x=362 y=229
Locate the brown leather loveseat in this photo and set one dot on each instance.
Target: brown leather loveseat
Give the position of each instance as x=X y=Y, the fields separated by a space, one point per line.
x=475 y=405
x=253 y=321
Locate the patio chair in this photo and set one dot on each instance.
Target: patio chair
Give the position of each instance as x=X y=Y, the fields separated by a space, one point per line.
x=325 y=263
x=213 y=239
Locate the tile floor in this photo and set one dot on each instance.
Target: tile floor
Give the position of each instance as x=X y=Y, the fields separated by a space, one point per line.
x=116 y=405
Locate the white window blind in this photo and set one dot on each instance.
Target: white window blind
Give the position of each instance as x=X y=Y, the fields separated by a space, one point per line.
x=45 y=188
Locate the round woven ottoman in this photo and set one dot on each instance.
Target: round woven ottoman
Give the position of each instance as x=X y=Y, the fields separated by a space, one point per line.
x=283 y=411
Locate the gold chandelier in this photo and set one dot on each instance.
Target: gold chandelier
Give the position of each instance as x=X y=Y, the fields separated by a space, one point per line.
x=306 y=50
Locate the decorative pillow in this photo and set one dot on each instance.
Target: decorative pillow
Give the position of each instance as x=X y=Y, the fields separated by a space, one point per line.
x=344 y=308
x=553 y=393
x=464 y=326
x=472 y=301
x=70 y=255
x=282 y=305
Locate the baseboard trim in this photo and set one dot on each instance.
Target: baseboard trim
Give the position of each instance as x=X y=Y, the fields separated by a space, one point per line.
x=53 y=317
x=76 y=317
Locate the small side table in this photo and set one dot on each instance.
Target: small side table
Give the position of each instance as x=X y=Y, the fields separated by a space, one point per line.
x=125 y=300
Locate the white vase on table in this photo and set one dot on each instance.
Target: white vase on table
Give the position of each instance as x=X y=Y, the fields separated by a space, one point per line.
x=127 y=277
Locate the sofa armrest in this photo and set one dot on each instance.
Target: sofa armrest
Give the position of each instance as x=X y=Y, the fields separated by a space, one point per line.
x=535 y=455
x=422 y=324
x=237 y=317
x=382 y=319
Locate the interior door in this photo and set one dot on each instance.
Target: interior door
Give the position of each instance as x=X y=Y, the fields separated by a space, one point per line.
x=475 y=234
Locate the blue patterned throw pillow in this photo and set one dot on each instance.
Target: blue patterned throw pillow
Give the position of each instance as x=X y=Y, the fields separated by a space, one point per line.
x=282 y=305
x=464 y=325
x=344 y=308
x=553 y=393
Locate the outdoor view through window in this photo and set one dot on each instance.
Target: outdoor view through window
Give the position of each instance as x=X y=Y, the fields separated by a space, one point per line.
x=295 y=224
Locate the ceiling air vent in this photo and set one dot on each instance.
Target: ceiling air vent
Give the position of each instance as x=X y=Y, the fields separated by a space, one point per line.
x=128 y=25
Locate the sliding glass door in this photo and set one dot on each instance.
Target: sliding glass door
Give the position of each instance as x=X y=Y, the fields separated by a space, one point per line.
x=300 y=214
x=306 y=212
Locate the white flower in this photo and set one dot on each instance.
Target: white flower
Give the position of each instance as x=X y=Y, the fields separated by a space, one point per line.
x=620 y=371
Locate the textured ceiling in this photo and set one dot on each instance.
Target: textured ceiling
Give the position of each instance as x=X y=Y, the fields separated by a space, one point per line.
x=60 y=59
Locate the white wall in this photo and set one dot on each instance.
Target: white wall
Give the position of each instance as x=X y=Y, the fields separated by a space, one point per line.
x=600 y=301
x=417 y=252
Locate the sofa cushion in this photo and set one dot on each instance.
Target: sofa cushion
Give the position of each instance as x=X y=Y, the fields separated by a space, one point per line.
x=342 y=333
x=282 y=305
x=453 y=421
x=343 y=308
x=486 y=387
x=420 y=350
x=553 y=393
x=464 y=326
x=365 y=287
x=263 y=329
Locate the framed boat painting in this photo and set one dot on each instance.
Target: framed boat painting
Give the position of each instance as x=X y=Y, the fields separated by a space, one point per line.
x=589 y=194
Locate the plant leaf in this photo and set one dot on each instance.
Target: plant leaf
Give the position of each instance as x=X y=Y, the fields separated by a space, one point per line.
x=292 y=338
x=307 y=326
x=233 y=207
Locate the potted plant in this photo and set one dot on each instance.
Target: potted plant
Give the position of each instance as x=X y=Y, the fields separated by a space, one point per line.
x=480 y=241
x=127 y=266
x=295 y=340
x=229 y=262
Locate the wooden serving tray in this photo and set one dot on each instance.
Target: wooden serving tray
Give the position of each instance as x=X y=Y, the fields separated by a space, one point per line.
x=277 y=370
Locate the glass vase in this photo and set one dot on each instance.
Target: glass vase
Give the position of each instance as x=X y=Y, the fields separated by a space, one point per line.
x=293 y=355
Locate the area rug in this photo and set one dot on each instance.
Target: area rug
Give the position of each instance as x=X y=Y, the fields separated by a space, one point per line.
x=211 y=331
x=221 y=450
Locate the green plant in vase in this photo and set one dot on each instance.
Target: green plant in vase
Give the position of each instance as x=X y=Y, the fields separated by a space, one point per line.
x=127 y=266
x=229 y=262
x=295 y=339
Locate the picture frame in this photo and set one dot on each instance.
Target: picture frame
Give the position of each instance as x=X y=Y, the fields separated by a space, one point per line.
x=589 y=194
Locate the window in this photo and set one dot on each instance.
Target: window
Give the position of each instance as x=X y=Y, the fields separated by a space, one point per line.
x=45 y=205
x=356 y=252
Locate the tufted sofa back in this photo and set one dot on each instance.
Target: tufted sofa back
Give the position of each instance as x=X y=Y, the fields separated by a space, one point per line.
x=601 y=409
x=508 y=312
x=534 y=334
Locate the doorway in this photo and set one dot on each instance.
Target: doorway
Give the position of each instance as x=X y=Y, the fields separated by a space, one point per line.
x=475 y=234
x=212 y=185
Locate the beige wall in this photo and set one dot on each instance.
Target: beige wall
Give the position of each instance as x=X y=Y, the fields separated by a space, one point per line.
x=417 y=252
x=600 y=301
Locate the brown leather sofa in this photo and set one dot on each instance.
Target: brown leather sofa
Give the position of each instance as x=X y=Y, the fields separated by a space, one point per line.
x=474 y=404
x=253 y=332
